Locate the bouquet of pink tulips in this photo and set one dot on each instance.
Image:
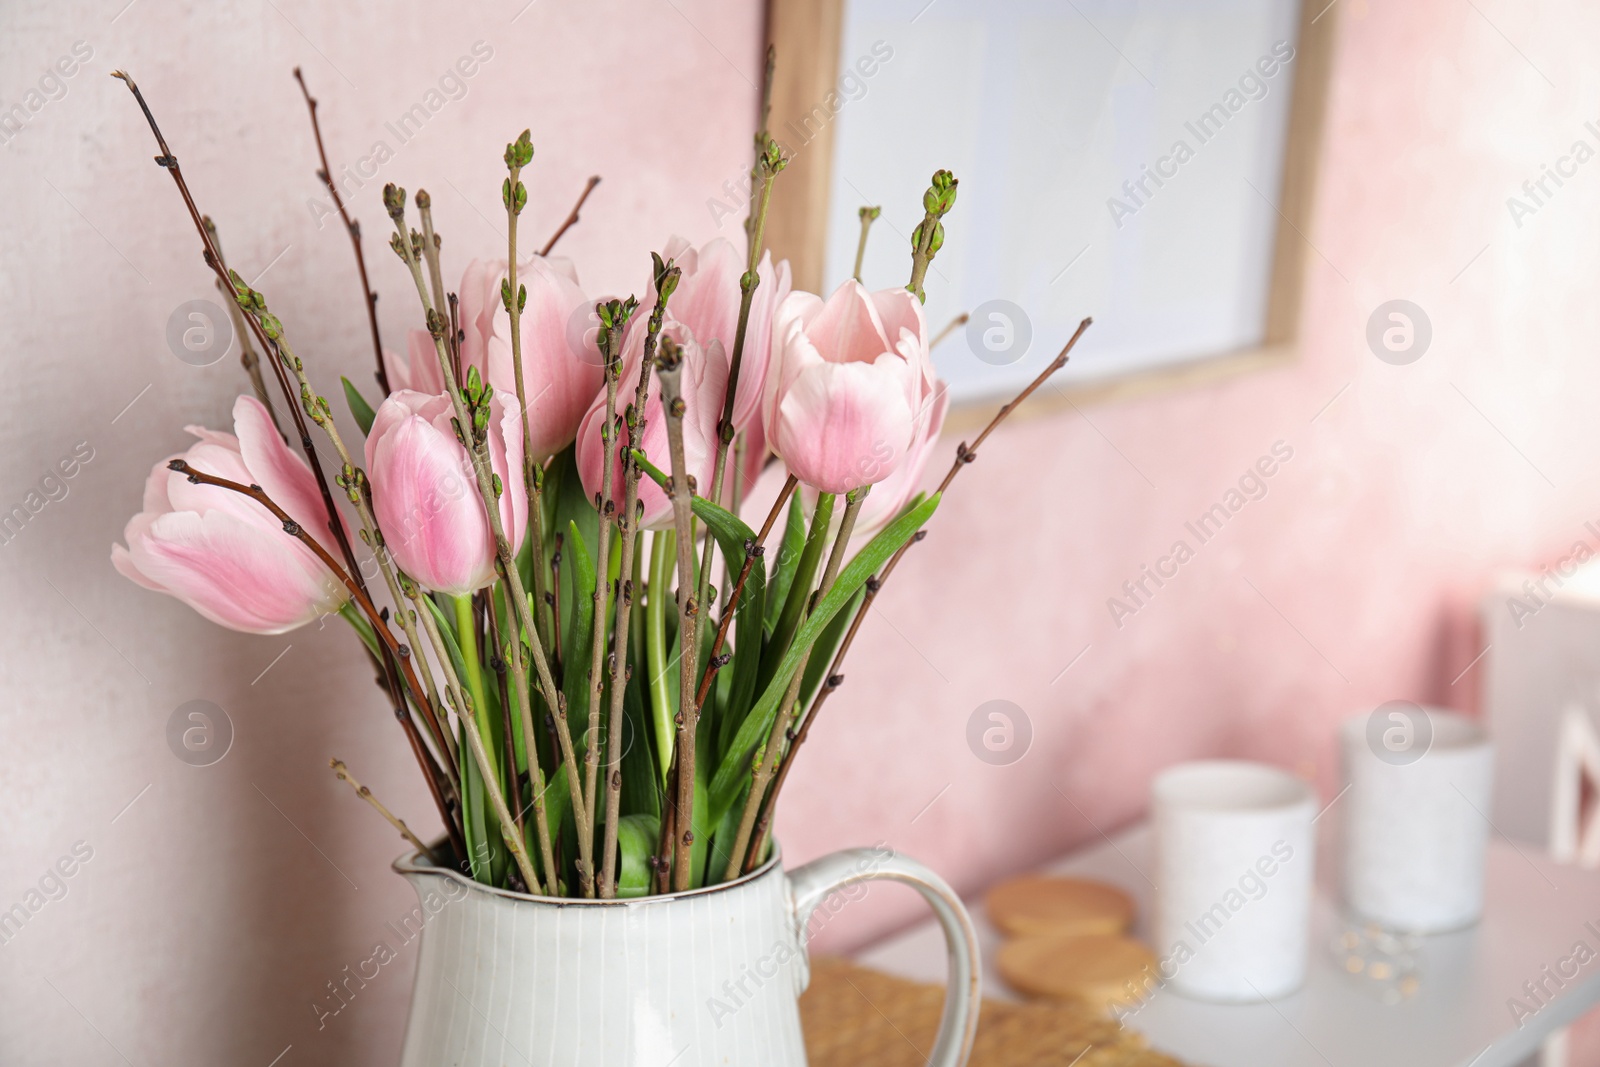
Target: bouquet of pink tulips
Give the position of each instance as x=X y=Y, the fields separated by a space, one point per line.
x=603 y=671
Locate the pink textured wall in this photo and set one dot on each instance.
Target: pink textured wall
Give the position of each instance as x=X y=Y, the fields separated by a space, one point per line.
x=217 y=905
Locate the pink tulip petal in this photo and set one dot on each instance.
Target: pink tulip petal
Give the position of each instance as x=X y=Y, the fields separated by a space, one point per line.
x=220 y=462
x=235 y=574
x=842 y=426
x=123 y=562
x=848 y=329
x=285 y=477
x=891 y=494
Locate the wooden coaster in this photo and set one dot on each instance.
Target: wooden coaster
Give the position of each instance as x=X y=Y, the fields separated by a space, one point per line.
x=1098 y=969
x=1038 y=905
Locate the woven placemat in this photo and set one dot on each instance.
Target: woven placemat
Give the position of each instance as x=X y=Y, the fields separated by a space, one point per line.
x=854 y=1016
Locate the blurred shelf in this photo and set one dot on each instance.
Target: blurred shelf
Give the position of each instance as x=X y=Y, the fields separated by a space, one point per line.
x=1536 y=913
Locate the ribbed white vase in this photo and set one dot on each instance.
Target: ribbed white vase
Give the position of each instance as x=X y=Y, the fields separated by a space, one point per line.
x=710 y=976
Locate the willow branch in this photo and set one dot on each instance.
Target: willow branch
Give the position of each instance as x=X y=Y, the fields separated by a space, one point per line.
x=606 y=506
x=515 y=296
x=761 y=138
x=430 y=246
x=752 y=552
x=769 y=161
x=519 y=683
x=351 y=477
x=748 y=834
x=628 y=518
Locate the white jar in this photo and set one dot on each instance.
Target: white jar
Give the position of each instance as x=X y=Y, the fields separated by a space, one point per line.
x=1416 y=824
x=1235 y=853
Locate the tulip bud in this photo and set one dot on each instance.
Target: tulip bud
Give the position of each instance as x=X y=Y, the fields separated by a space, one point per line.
x=425 y=492
x=848 y=379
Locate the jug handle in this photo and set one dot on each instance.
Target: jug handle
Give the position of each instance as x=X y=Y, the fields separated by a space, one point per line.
x=813 y=883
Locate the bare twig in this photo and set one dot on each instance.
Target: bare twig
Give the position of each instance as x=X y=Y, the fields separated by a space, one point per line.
x=572 y=216
x=352 y=227
x=377 y=805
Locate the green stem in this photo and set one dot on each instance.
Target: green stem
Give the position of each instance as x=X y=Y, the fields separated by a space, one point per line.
x=467 y=639
x=868 y=216
x=662 y=544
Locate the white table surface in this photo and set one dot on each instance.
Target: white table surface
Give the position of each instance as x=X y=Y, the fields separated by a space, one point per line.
x=1535 y=913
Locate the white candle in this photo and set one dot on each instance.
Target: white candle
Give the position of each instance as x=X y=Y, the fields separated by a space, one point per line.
x=1415 y=819
x=1235 y=854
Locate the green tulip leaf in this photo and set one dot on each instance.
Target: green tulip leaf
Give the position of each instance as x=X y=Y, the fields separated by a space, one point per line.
x=732 y=773
x=359 y=408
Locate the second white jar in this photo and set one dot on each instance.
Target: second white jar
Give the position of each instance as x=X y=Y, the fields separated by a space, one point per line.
x=1416 y=825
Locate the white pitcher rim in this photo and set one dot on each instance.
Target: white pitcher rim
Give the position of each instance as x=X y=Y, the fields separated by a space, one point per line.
x=412 y=862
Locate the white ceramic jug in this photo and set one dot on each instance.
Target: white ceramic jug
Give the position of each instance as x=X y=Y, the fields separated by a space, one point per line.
x=693 y=979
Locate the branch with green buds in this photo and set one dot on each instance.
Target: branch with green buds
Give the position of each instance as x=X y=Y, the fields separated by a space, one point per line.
x=514 y=296
x=928 y=237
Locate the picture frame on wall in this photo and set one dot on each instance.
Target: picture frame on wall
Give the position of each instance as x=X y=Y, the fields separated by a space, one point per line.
x=1150 y=163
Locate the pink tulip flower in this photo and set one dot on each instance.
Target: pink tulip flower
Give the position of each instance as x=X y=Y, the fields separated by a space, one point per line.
x=705 y=381
x=425 y=494
x=850 y=384
x=561 y=367
x=222 y=553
